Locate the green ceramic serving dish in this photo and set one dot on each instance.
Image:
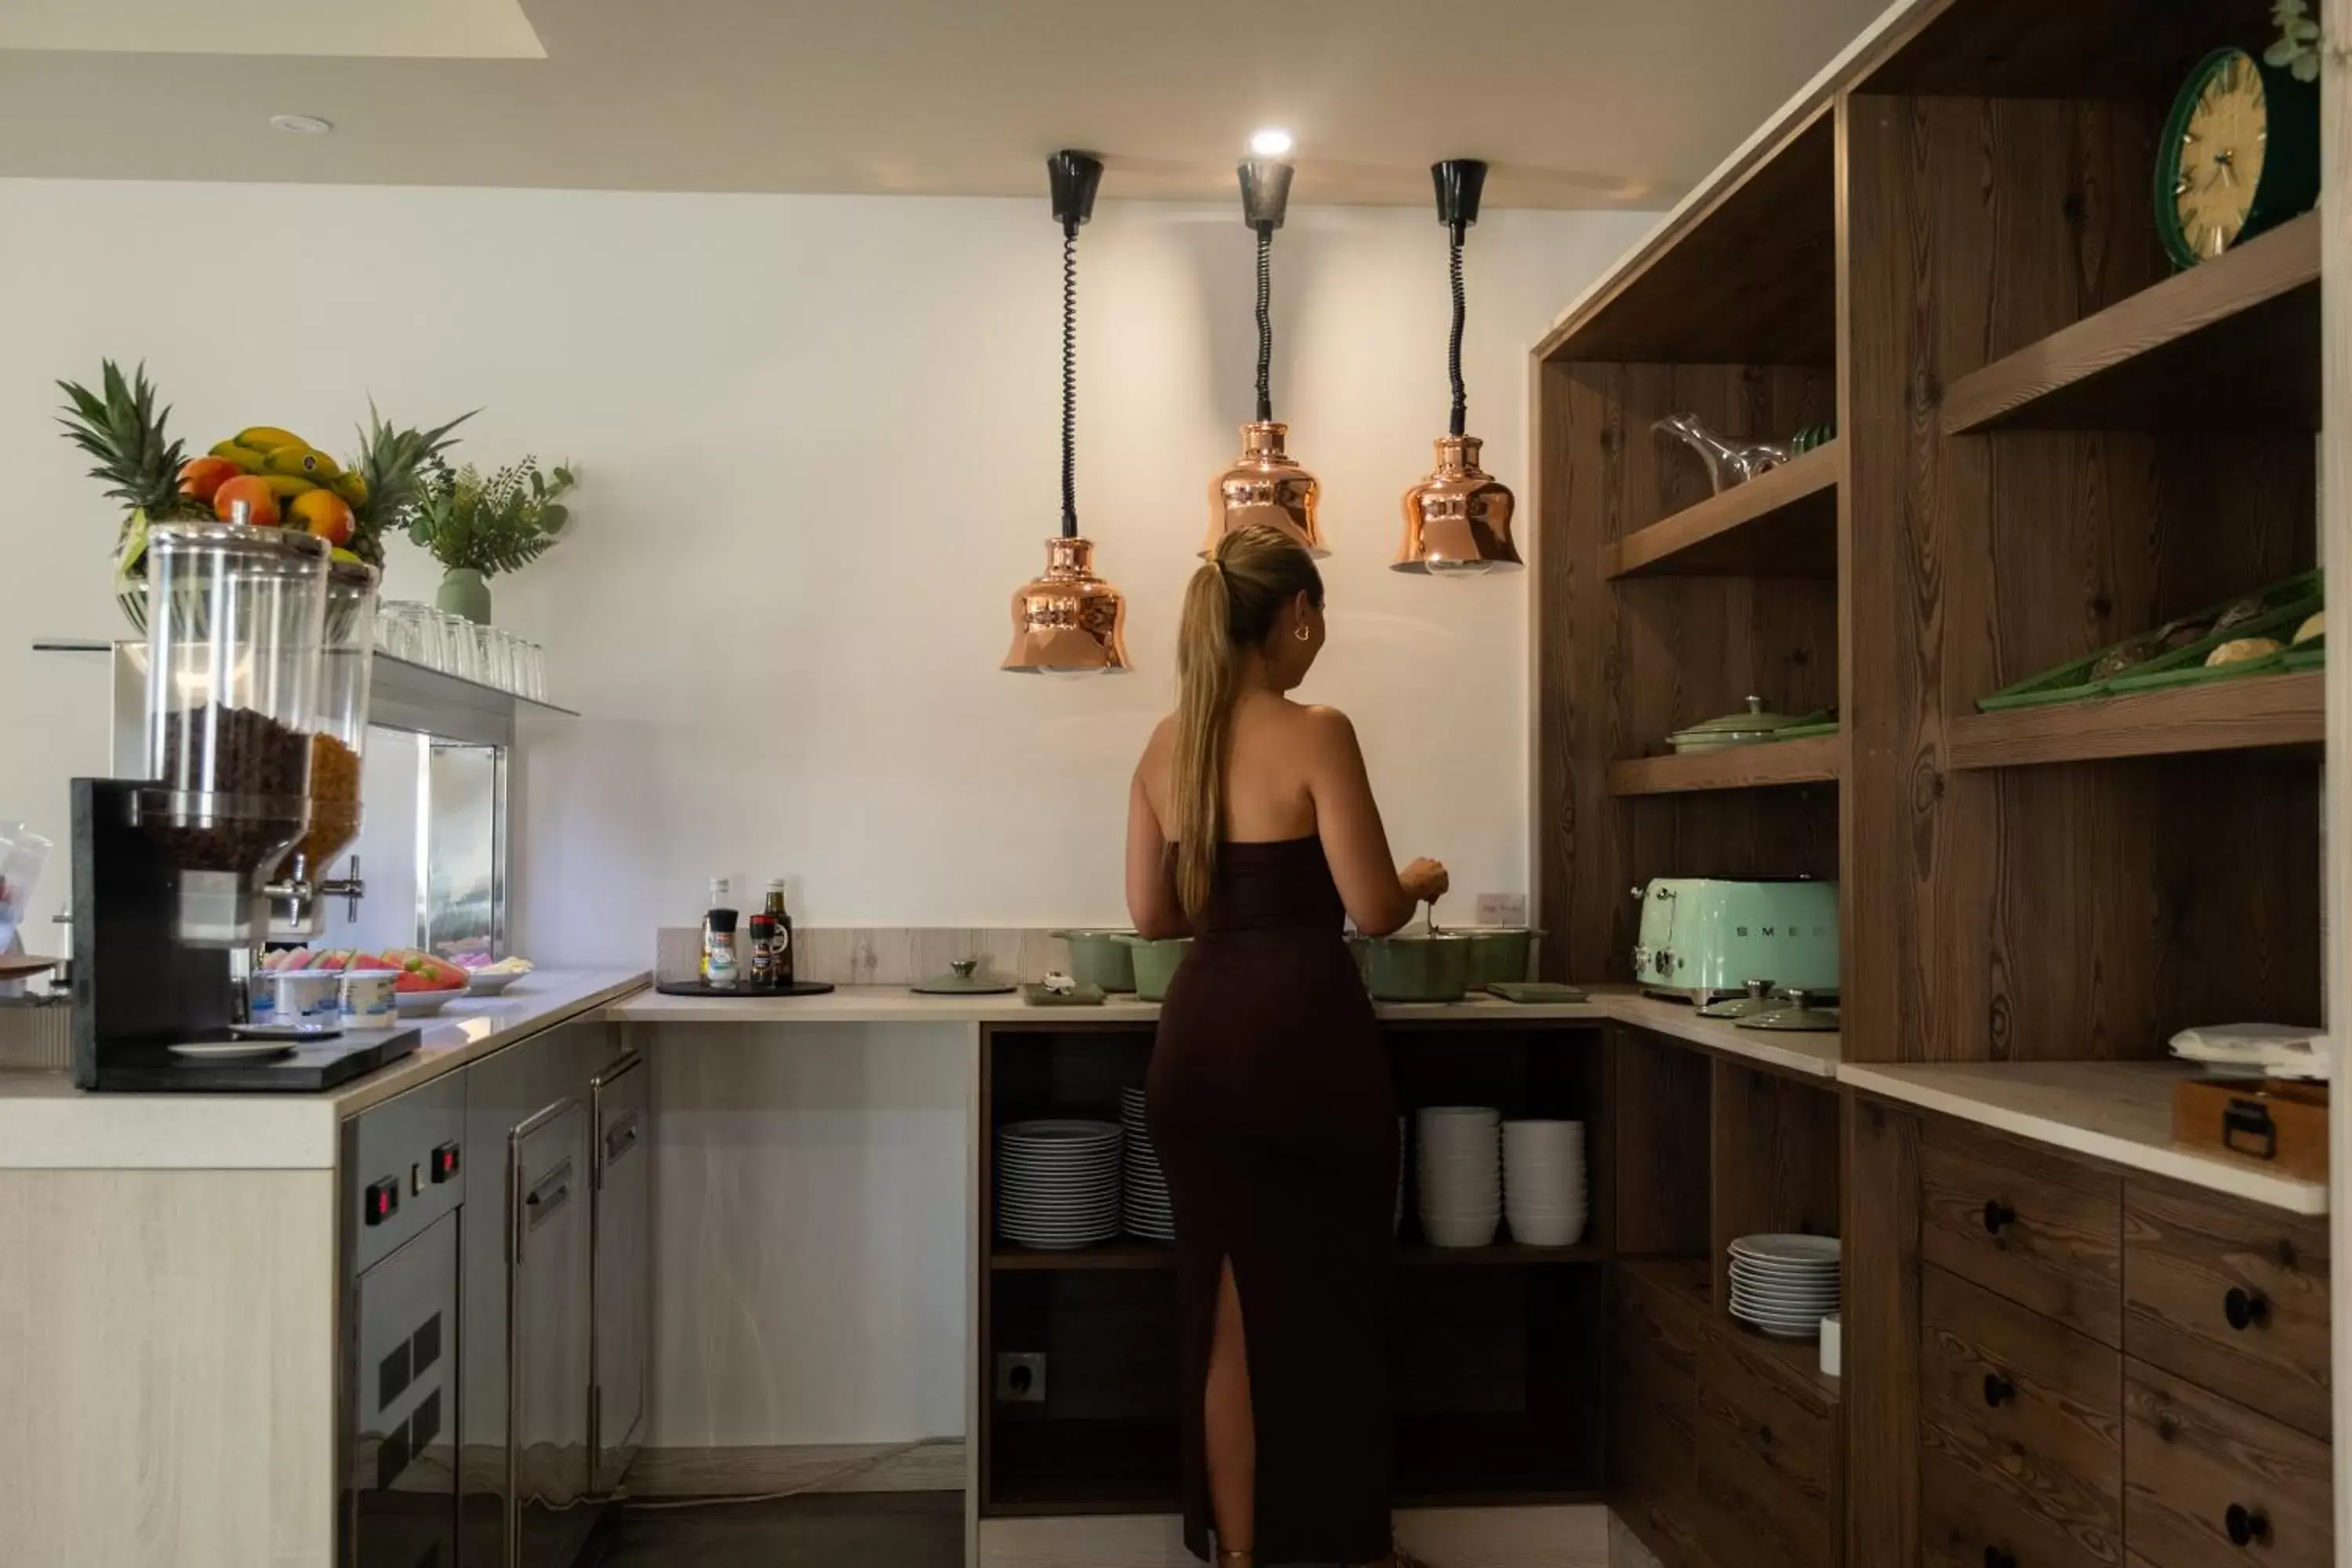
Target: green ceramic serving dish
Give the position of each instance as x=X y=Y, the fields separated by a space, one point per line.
x=1101 y=958
x=2074 y=682
x=1156 y=962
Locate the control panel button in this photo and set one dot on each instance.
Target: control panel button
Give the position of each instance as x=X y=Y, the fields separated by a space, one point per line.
x=383 y=1200
x=445 y=1163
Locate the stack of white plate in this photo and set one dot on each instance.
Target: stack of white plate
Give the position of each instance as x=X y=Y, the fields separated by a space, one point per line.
x=1543 y=1181
x=1057 y=1182
x=1461 y=1173
x=1145 y=1204
x=1784 y=1285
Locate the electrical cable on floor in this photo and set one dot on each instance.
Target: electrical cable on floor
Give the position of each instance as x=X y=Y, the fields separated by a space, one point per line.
x=822 y=1483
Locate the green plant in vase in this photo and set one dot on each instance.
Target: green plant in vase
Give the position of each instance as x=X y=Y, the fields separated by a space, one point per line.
x=479 y=526
x=389 y=474
x=121 y=427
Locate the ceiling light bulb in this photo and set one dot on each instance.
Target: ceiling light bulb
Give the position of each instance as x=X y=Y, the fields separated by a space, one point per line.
x=1270 y=143
x=301 y=124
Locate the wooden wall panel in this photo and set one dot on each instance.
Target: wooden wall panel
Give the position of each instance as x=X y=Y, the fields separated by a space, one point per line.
x=1880 y=1377
x=2030 y=913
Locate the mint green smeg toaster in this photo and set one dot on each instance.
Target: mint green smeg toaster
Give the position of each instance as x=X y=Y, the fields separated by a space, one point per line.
x=1702 y=938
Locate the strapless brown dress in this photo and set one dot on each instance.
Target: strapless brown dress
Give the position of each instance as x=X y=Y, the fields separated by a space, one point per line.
x=1270 y=1105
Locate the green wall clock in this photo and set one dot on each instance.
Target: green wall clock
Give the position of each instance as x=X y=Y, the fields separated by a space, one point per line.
x=2239 y=154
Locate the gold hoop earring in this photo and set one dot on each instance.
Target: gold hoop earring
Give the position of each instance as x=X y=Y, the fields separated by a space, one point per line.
x=1301 y=632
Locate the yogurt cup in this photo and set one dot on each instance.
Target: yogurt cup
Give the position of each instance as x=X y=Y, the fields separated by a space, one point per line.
x=306 y=998
x=367 y=998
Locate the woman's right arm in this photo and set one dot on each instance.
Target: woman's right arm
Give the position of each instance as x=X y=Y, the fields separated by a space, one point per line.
x=1379 y=897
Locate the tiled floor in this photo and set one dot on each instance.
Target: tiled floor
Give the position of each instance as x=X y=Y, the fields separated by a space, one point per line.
x=834 y=1530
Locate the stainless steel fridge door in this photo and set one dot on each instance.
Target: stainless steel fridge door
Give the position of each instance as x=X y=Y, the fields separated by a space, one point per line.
x=399 y=1452
x=620 y=1333
x=547 y=1338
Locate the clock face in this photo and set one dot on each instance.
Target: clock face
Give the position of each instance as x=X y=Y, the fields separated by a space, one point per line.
x=2224 y=137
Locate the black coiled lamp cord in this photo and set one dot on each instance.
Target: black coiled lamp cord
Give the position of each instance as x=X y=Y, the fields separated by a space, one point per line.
x=1070 y=382
x=1454 y=342
x=1264 y=322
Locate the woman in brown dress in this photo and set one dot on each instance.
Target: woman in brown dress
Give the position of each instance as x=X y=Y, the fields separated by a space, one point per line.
x=1252 y=828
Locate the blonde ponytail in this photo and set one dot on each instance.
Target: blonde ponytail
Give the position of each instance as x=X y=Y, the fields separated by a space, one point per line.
x=1229 y=605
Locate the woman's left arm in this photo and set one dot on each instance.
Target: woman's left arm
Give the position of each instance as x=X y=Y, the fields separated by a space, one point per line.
x=1151 y=901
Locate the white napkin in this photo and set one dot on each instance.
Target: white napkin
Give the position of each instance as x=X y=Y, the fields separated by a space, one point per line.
x=2278 y=1050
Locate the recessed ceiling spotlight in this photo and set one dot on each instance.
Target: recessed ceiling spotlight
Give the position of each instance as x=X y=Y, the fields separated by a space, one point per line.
x=300 y=124
x=1270 y=143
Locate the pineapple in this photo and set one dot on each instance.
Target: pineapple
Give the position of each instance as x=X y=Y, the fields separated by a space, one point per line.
x=137 y=463
x=385 y=478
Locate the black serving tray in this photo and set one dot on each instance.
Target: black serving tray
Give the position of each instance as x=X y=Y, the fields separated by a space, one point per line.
x=704 y=988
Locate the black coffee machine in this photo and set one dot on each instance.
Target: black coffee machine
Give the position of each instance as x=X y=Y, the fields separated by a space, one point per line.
x=171 y=872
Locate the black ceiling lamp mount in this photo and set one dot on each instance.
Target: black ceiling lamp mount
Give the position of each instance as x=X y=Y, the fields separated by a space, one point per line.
x=1457 y=520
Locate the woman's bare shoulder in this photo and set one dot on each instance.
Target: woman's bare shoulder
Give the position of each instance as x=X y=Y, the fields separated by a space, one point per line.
x=1323 y=727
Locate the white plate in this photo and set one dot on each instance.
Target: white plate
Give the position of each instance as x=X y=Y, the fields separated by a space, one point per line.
x=480 y=984
x=234 y=1050
x=279 y=1033
x=423 y=1004
x=1742 y=1269
x=1059 y=1129
x=1780 y=1317
x=1784 y=1248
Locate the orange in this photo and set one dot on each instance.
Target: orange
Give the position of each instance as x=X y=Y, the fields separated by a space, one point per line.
x=324 y=513
x=260 y=502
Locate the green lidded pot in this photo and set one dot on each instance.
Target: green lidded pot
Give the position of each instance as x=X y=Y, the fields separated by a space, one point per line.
x=1156 y=962
x=1751 y=728
x=1422 y=966
x=1101 y=958
x=1498 y=954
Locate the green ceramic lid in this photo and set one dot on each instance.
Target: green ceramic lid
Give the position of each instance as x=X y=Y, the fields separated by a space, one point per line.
x=1756 y=721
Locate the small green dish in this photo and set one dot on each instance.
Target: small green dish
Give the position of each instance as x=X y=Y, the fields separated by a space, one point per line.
x=1036 y=996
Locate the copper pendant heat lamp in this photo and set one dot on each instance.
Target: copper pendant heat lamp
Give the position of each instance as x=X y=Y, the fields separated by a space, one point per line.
x=1457 y=522
x=1264 y=486
x=1068 y=621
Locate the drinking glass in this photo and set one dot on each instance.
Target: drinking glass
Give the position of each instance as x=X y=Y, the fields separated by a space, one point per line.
x=491 y=657
x=413 y=633
x=512 y=647
x=457 y=655
x=535 y=668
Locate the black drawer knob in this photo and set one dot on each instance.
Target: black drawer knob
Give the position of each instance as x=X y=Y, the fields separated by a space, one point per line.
x=1998 y=1213
x=1998 y=1390
x=2245 y=1526
x=1996 y=1558
x=2244 y=1308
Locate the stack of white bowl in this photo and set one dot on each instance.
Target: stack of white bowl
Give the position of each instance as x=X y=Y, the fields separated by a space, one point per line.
x=1544 y=1194
x=1461 y=1173
x=1784 y=1285
x=1144 y=1204
x=1057 y=1182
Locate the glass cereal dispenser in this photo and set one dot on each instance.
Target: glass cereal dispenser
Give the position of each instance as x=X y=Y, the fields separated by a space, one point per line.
x=337 y=741
x=235 y=626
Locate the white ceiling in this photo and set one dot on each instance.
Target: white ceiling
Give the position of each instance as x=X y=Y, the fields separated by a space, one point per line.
x=1578 y=103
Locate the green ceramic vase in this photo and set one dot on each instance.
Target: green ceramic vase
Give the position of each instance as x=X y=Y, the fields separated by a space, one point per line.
x=464 y=591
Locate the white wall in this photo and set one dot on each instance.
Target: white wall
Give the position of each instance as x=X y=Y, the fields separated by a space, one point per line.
x=819 y=446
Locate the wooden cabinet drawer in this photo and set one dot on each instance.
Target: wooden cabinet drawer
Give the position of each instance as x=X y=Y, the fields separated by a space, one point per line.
x=1649 y=1323
x=1966 y=1522
x=2028 y=1413
x=1767 y=1467
x=2041 y=1229
x=2230 y=1297
x=2199 y=1470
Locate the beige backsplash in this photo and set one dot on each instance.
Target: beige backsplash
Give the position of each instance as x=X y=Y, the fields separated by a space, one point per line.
x=887 y=955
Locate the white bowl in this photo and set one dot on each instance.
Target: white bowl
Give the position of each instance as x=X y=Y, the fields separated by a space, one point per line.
x=425 y=1003
x=483 y=984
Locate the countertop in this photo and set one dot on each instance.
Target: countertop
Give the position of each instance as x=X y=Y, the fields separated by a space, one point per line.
x=45 y=1123
x=2118 y=1111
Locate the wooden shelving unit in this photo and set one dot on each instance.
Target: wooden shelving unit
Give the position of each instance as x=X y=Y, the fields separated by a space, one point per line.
x=1781 y=524
x=1145 y=1254
x=1810 y=761
x=2248 y=713
x=2048 y=440
x=2233 y=343
x=1123 y=1254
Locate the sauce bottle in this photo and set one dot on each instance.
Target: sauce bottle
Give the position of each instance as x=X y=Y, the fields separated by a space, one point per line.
x=716 y=923
x=780 y=943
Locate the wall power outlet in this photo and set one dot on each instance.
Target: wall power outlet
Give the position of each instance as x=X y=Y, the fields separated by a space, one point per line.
x=1502 y=908
x=1021 y=1377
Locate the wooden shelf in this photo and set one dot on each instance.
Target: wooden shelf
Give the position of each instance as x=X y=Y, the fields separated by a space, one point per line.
x=1148 y=1255
x=1745 y=274
x=1781 y=524
x=2246 y=713
x=1502 y=1255
x=2231 y=342
x=1005 y=1254
x=1796 y=1363
x=1810 y=761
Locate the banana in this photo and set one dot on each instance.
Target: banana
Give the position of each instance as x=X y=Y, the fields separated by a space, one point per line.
x=286 y=487
x=350 y=486
x=305 y=462
x=246 y=459
x=268 y=437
